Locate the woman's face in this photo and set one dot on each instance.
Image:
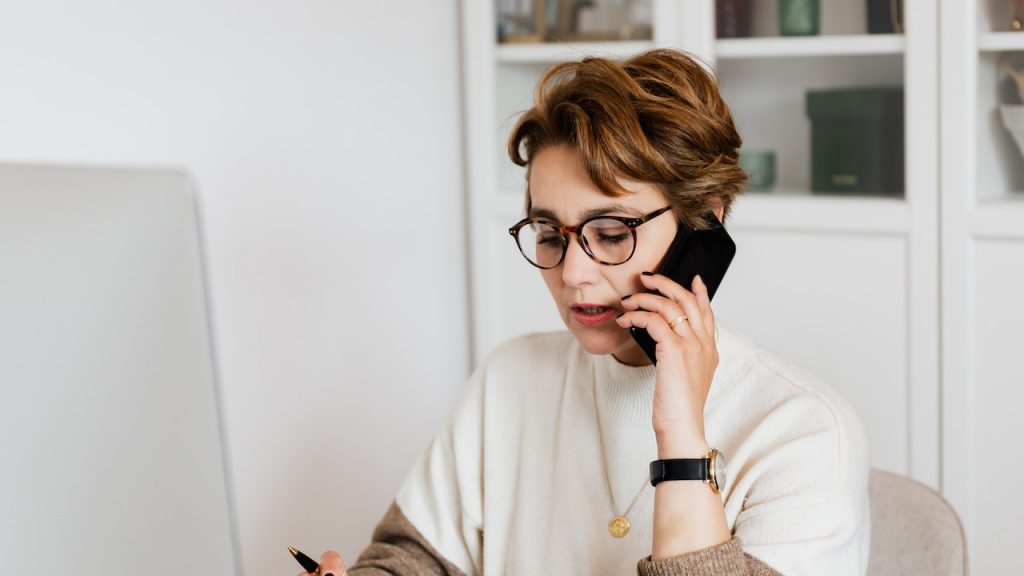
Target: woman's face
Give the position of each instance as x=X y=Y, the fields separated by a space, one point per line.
x=561 y=191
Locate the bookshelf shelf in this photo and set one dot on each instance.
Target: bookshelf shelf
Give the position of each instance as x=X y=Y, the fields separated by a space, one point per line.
x=551 y=53
x=809 y=47
x=1001 y=42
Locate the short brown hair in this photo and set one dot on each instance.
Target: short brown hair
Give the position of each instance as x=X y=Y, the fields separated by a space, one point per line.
x=657 y=117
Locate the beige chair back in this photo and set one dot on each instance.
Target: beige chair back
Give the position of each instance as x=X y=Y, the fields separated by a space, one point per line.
x=914 y=531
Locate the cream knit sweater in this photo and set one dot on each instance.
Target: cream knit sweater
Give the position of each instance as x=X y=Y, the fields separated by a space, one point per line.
x=514 y=482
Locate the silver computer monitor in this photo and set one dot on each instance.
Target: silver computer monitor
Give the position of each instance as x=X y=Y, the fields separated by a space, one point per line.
x=110 y=436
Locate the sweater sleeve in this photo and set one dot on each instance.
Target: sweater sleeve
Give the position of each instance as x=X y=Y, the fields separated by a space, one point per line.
x=399 y=548
x=726 y=559
x=435 y=525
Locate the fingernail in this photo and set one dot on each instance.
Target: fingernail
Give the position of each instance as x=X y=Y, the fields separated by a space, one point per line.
x=648 y=273
x=626 y=297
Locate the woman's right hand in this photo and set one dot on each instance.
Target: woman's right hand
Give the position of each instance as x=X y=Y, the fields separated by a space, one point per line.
x=331 y=564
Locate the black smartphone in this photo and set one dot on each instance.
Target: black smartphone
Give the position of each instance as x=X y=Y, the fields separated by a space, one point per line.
x=692 y=252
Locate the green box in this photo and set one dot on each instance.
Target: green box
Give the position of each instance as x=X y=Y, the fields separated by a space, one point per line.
x=857 y=140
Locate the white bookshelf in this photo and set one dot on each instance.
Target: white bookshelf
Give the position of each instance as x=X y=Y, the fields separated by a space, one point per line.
x=982 y=172
x=934 y=278
x=940 y=269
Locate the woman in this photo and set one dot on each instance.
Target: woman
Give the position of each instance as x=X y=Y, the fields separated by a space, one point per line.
x=543 y=467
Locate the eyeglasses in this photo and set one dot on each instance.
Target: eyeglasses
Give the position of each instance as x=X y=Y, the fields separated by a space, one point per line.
x=607 y=240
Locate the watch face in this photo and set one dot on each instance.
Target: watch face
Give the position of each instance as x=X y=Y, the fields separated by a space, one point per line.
x=720 y=471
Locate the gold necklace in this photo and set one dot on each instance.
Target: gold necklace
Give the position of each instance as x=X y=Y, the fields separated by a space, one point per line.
x=619 y=526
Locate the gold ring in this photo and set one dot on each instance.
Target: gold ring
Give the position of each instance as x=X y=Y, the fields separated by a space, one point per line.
x=678 y=319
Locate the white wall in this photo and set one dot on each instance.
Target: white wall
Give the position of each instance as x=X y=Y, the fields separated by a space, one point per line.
x=324 y=137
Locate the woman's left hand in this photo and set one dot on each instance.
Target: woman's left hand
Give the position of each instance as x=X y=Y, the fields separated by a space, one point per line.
x=687 y=354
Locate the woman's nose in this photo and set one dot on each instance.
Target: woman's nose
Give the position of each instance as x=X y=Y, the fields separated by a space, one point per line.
x=577 y=267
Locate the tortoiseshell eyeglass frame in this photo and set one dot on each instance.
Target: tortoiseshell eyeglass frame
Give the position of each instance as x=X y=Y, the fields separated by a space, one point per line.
x=565 y=231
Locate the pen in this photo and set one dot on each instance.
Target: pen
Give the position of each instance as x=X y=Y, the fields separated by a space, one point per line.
x=308 y=564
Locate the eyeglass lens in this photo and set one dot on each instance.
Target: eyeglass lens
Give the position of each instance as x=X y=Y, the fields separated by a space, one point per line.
x=609 y=241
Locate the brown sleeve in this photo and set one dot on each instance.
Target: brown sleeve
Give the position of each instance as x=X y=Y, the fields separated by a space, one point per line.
x=726 y=559
x=398 y=549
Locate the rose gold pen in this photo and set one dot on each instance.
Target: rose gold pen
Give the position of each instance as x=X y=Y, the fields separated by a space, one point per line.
x=308 y=564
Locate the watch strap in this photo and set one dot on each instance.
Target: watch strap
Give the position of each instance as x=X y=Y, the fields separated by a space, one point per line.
x=679 y=469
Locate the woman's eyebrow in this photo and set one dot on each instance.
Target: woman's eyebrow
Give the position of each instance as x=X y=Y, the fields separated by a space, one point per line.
x=549 y=215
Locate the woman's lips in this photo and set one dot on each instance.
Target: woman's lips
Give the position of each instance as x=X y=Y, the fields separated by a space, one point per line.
x=581 y=314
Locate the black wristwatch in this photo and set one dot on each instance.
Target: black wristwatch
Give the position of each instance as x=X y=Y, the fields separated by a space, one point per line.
x=710 y=469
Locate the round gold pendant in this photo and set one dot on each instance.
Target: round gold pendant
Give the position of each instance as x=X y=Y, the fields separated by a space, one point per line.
x=619 y=526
